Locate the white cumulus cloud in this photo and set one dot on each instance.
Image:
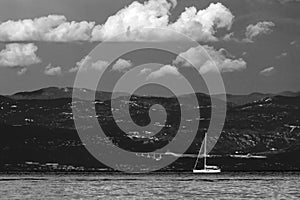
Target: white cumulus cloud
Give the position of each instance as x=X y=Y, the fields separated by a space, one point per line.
x=87 y=63
x=22 y=71
x=122 y=65
x=145 y=71
x=19 y=55
x=164 y=70
x=71 y=31
x=254 y=30
x=200 y=25
x=47 y=28
x=206 y=59
x=53 y=71
x=131 y=19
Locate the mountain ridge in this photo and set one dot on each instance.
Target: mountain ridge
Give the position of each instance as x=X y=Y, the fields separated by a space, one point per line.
x=48 y=93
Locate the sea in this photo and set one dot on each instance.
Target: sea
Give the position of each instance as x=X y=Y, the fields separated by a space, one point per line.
x=227 y=185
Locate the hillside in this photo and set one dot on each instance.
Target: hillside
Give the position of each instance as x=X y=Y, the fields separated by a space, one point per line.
x=263 y=134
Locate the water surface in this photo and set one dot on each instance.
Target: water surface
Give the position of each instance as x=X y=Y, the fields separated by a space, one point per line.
x=151 y=186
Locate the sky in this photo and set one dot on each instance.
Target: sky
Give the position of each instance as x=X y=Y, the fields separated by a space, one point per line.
x=255 y=44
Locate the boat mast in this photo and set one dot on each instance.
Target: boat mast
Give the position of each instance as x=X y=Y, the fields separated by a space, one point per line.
x=197 y=158
x=205 y=140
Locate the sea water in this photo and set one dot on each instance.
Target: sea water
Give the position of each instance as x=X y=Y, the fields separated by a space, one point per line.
x=242 y=185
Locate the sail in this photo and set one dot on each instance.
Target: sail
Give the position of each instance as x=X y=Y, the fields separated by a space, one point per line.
x=202 y=153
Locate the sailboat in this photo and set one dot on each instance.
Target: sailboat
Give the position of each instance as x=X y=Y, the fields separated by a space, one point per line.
x=207 y=169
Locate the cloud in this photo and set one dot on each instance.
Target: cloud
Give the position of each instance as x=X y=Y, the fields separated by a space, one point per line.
x=205 y=58
x=282 y=55
x=165 y=70
x=288 y=1
x=131 y=19
x=260 y=28
x=122 y=65
x=145 y=71
x=252 y=31
x=71 y=31
x=293 y=42
x=19 y=56
x=229 y=37
x=267 y=72
x=48 y=28
x=279 y=1
x=53 y=71
x=22 y=71
x=200 y=25
x=74 y=69
x=87 y=63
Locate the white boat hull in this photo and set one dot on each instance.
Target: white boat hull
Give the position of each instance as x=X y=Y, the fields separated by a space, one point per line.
x=206 y=171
